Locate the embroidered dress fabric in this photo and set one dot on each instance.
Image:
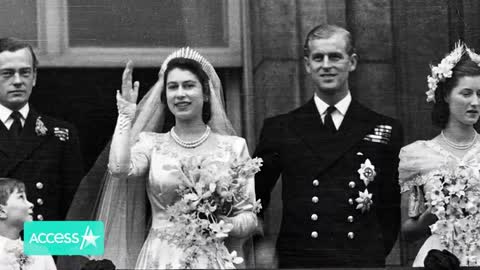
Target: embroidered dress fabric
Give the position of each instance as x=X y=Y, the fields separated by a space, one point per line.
x=10 y=251
x=158 y=157
x=419 y=159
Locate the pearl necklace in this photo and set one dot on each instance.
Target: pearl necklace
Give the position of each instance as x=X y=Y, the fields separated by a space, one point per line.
x=459 y=146
x=190 y=144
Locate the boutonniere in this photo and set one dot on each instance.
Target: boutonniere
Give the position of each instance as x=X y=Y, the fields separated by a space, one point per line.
x=16 y=248
x=367 y=172
x=61 y=133
x=40 y=127
x=364 y=200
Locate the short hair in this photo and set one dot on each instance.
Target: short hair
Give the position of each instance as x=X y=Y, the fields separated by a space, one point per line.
x=196 y=68
x=464 y=68
x=13 y=44
x=324 y=31
x=8 y=186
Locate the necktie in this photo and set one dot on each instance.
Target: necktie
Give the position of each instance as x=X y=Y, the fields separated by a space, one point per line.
x=16 y=127
x=328 y=121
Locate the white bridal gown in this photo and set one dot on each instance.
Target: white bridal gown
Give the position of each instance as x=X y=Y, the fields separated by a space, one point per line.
x=157 y=157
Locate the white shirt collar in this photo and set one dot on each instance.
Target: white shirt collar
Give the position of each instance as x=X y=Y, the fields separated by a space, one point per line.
x=341 y=106
x=341 y=109
x=6 y=112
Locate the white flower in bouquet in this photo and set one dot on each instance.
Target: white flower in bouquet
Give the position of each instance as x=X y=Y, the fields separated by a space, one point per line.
x=473 y=204
x=456 y=188
x=454 y=208
x=437 y=198
x=221 y=229
x=232 y=259
x=442 y=226
x=439 y=211
x=471 y=207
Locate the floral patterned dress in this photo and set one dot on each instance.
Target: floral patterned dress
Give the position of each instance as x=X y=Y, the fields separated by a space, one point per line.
x=158 y=157
x=421 y=163
x=12 y=257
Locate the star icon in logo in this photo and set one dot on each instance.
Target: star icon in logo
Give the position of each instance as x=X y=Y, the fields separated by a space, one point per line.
x=89 y=238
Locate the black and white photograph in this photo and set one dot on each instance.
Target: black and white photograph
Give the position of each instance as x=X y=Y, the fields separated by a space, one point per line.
x=239 y=134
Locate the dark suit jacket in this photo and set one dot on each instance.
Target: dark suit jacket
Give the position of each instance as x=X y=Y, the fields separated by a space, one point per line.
x=296 y=146
x=51 y=168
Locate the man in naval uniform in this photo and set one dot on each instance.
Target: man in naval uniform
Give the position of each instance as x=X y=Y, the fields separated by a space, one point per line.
x=41 y=151
x=338 y=161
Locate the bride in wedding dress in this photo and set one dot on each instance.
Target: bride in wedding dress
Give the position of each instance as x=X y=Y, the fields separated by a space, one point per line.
x=182 y=116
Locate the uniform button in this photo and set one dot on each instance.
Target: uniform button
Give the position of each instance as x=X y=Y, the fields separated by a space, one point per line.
x=350 y=201
x=39 y=185
x=314 y=234
x=39 y=217
x=315 y=182
x=350 y=219
x=350 y=235
x=314 y=217
x=39 y=201
x=351 y=184
x=315 y=199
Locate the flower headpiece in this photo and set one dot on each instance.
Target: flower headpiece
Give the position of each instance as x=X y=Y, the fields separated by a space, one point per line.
x=444 y=70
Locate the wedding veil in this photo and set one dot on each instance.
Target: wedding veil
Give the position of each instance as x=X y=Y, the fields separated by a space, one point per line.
x=121 y=203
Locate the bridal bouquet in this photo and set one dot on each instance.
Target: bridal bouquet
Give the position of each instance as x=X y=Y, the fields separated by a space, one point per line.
x=212 y=190
x=455 y=200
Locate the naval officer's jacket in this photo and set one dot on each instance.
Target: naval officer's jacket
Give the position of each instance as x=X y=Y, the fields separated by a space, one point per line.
x=340 y=192
x=47 y=158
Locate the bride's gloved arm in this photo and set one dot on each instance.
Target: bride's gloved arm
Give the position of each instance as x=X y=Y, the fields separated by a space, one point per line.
x=120 y=163
x=245 y=222
x=119 y=158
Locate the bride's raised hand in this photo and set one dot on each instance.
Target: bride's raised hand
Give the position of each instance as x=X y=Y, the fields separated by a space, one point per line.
x=119 y=159
x=129 y=91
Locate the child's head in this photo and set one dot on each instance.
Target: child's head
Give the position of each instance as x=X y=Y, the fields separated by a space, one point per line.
x=15 y=209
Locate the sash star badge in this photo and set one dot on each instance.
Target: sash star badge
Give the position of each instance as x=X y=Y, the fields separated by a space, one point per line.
x=364 y=200
x=367 y=172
